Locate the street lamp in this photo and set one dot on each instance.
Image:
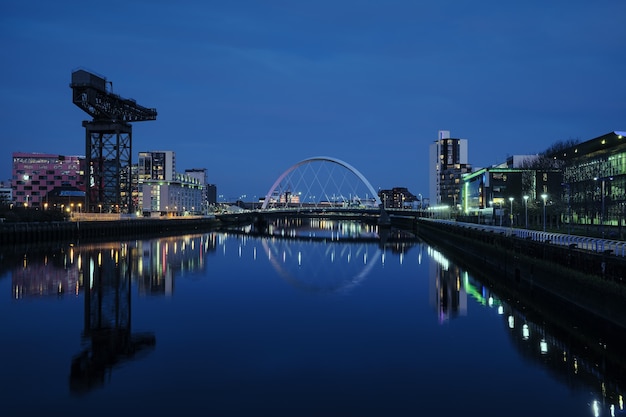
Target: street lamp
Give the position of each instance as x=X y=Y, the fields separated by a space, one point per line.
x=602 y=191
x=526 y=209
x=544 y=196
x=511 y=216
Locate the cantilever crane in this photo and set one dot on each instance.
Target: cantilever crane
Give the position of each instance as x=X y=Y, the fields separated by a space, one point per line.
x=108 y=142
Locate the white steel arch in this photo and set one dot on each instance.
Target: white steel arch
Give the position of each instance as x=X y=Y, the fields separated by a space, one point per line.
x=339 y=162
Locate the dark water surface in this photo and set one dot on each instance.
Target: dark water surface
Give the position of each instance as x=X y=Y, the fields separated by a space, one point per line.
x=320 y=320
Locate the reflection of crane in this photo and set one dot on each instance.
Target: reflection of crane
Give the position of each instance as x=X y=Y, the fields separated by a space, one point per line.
x=108 y=141
x=107 y=321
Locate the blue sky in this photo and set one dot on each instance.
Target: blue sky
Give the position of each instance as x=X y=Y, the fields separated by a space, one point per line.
x=248 y=88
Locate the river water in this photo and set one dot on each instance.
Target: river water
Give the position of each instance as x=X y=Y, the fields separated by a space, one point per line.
x=311 y=318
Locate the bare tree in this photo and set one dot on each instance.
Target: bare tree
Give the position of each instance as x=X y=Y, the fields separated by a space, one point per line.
x=549 y=159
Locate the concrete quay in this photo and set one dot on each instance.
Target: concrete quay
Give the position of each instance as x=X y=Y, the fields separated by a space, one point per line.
x=102 y=230
x=593 y=281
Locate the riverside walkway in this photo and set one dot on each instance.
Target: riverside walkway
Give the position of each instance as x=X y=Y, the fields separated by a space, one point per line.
x=606 y=246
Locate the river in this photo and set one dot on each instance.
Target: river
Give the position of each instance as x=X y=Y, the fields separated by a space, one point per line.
x=311 y=318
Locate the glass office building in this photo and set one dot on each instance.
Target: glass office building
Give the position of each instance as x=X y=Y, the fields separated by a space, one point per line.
x=594 y=180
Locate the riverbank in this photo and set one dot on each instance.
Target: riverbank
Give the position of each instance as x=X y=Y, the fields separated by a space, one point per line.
x=588 y=280
x=100 y=230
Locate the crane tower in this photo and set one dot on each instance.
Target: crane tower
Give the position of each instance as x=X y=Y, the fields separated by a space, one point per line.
x=108 y=140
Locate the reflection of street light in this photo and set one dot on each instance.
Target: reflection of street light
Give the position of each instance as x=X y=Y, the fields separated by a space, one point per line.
x=511 y=200
x=544 y=196
x=526 y=209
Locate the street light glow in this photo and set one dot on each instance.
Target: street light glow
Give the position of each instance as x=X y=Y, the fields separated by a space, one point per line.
x=526 y=209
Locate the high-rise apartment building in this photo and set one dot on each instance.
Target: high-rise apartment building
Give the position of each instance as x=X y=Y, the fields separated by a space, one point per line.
x=156 y=165
x=448 y=161
x=153 y=166
x=36 y=174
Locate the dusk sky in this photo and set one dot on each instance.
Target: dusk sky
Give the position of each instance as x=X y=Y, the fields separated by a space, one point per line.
x=246 y=89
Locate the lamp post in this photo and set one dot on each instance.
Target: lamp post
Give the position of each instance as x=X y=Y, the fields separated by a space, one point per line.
x=526 y=209
x=511 y=216
x=602 y=191
x=544 y=196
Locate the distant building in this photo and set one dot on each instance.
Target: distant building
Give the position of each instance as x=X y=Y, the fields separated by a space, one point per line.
x=211 y=194
x=180 y=196
x=201 y=175
x=6 y=195
x=398 y=197
x=35 y=174
x=69 y=199
x=448 y=162
x=520 y=161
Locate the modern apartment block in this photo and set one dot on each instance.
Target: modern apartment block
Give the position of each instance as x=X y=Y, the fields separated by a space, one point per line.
x=182 y=195
x=36 y=174
x=201 y=175
x=163 y=191
x=448 y=161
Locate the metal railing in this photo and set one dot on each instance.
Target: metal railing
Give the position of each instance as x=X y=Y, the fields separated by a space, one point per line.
x=615 y=247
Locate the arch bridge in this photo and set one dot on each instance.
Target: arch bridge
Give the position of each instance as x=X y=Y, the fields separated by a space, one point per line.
x=321 y=182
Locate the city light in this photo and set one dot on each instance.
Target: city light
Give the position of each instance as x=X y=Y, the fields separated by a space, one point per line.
x=511 y=216
x=526 y=209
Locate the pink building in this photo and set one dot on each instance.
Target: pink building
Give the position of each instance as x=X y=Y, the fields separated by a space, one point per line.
x=35 y=174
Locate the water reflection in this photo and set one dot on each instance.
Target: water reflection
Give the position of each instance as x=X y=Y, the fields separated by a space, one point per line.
x=316 y=256
x=326 y=256
x=106 y=274
x=578 y=351
x=447 y=293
